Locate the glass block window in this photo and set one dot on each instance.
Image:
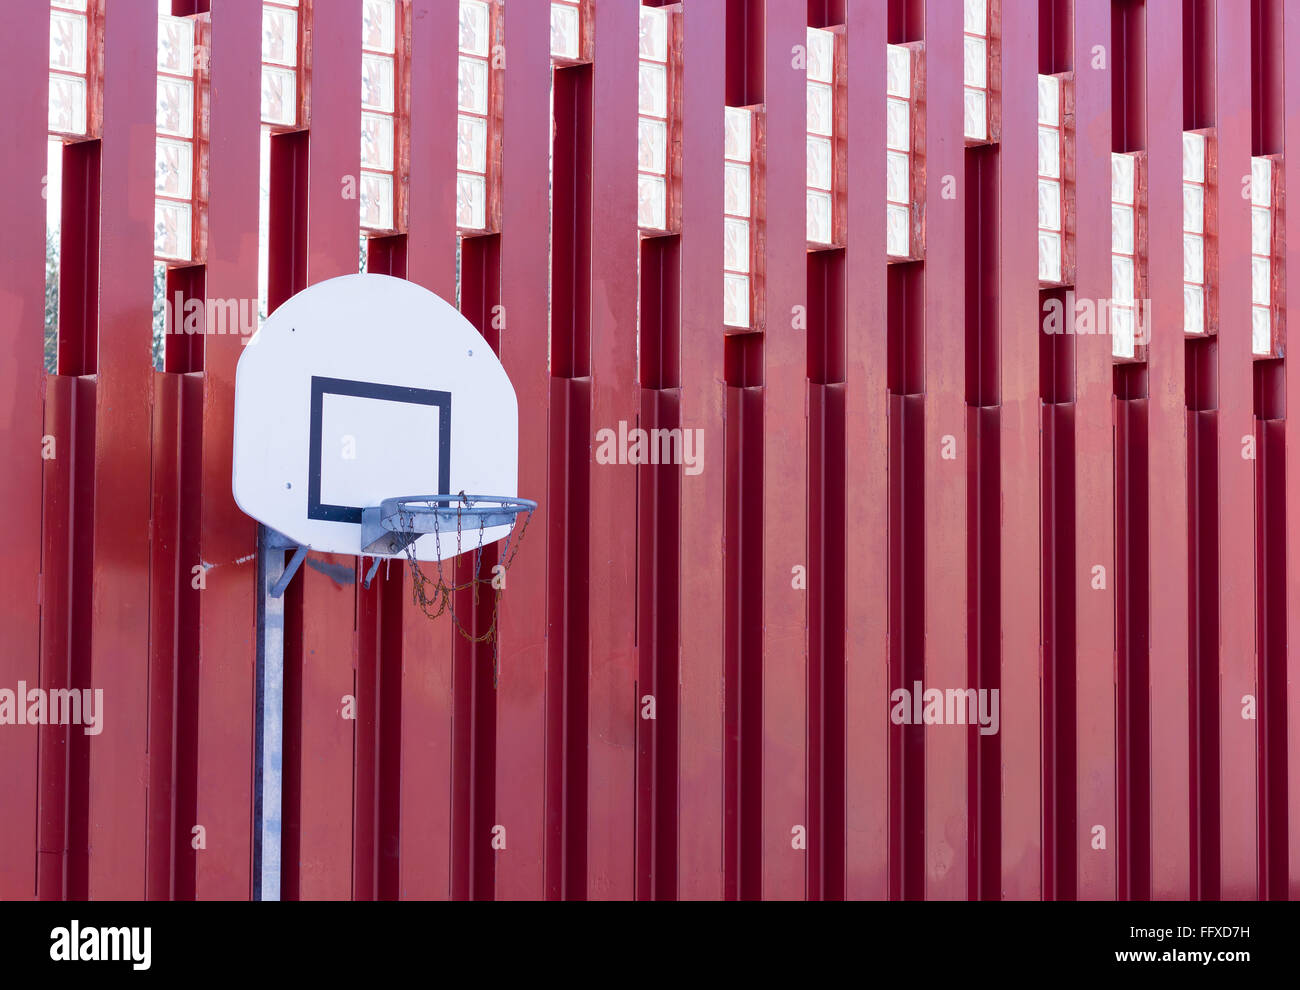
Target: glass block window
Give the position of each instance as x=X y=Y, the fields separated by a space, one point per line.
x=70 y=67
x=1262 y=223
x=476 y=126
x=570 y=31
x=378 y=186
x=1194 y=200
x=1051 y=181
x=174 y=212
x=280 y=33
x=821 y=137
x=900 y=169
x=738 y=209
x=1123 y=254
x=654 y=121
x=977 y=39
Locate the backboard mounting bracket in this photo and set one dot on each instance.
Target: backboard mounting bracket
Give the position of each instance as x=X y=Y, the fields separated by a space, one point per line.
x=275 y=540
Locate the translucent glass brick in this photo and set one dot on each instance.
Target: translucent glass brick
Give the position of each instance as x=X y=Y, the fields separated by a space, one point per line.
x=821 y=55
x=565 y=31
x=1049 y=152
x=819 y=163
x=378 y=25
x=899 y=78
x=737 y=130
x=279 y=36
x=652 y=202
x=1193 y=207
x=471 y=85
x=1193 y=309
x=898 y=230
x=1049 y=204
x=736 y=199
x=1121 y=178
x=652 y=91
x=652 y=145
x=1122 y=336
x=820 y=212
x=471 y=201
x=279 y=95
x=735 y=300
x=1121 y=229
x=471 y=143
x=1261 y=270
x=171 y=230
x=654 y=34
x=67 y=104
x=68 y=41
x=735 y=241
x=1049 y=256
x=1193 y=258
x=69 y=4
x=376 y=200
x=1122 y=277
x=898 y=184
x=1261 y=181
x=975 y=16
x=1194 y=157
x=821 y=114
x=377 y=83
x=475 y=27
x=1261 y=330
x=176 y=44
x=377 y=140
x=974 y=115
x=898 y=125
x=1049 y=100
x=975 y=61
x=1261 y=230
x=173 y=168
x=175 y=107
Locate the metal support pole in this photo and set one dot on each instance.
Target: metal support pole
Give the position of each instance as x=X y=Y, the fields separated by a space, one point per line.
x=269 y=716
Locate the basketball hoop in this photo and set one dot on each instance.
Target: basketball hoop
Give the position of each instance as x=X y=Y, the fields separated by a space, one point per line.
x=396 y=524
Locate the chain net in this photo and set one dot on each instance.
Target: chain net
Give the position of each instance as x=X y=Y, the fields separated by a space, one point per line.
x=436 y=595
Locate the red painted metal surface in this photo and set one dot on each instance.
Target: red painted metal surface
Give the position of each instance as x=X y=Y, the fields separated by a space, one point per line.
x=115 y=554
x=946 y=458
x=1167 y=461
x=223 y=709
x=24 y=28
x=699 y=771
x=970 y=502
x=1084 y=870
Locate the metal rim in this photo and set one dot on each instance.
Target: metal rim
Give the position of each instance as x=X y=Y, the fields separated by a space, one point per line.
x=425 y=513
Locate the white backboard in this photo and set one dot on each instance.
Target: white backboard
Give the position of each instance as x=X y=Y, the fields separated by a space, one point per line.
x=363 y=388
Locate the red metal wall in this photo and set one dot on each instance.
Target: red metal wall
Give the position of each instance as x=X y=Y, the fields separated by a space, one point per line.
x=823 y=448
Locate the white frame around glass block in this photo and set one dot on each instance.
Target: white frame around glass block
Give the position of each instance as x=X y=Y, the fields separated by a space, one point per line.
x=821 y=136
x=474 y=124
x=566 y=29
x=1124 y=270
x=281 y=38
x=177 y=84
x=1051 y=180
x=71 y=65
x=900 y=165
x=380 y=121
x=738 y=209
x=654 y=123
x=1195 y=199
x=977 y=44
x=1263 y=223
